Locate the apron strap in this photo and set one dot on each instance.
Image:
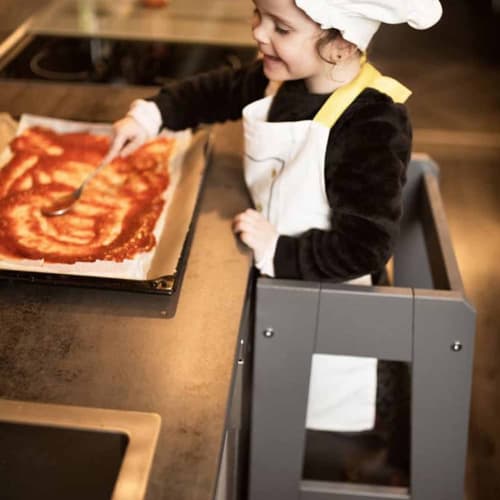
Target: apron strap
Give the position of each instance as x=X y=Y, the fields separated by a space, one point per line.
x=341 y=99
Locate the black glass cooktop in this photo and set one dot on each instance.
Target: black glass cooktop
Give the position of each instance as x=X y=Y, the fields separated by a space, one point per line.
x=127 y=62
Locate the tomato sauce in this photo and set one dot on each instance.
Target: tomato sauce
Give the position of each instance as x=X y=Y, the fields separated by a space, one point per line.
x=113 y=220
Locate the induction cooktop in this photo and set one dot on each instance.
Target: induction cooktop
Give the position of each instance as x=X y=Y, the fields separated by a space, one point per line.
x=115 y=61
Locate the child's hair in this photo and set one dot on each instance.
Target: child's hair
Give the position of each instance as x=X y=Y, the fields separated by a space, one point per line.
x=328 y=36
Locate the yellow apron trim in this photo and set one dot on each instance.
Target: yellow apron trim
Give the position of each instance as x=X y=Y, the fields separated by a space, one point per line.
x=340 y=100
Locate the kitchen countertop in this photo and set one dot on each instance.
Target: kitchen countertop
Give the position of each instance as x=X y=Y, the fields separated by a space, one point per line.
x=111 y=349
x=224 y=22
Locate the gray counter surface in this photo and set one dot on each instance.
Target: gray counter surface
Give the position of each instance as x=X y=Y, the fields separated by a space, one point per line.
x=114 y=350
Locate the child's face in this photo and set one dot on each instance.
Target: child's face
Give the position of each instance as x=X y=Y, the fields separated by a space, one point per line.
x=287 y=38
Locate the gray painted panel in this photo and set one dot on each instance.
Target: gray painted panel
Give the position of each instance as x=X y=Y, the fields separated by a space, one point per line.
x=280 y=387
x=441 y=387
x=364 y=321
x=411 y=266
x=316 y=490
x=439 y=247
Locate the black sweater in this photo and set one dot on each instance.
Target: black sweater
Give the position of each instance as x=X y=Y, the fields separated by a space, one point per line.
x=365 y=166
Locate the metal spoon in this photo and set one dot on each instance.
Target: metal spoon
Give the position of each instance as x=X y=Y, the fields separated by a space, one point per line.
x=63 y=204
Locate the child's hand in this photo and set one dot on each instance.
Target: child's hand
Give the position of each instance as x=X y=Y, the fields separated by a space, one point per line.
x=257 y=233
x=141 y=123
x=128 y=136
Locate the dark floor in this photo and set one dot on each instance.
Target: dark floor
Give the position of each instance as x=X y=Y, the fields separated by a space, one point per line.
x=454 y=71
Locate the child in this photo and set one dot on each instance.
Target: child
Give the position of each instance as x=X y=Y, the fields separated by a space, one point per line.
x=325 y=158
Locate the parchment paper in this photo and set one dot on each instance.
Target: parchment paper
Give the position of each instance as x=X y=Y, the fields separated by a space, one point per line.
x=185 y=169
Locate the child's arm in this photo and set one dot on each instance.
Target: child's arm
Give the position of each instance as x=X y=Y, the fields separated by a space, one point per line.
x=365 y=171
x=215 y=96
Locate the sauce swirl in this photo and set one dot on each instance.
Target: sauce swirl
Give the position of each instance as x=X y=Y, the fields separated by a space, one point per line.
x=113 y=220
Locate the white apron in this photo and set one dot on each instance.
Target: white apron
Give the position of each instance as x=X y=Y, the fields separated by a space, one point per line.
x=284 y=171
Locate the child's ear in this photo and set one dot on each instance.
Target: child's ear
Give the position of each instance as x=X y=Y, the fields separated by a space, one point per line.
x=341 y=50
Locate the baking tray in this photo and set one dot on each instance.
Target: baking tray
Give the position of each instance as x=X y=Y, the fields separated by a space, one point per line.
x=172 y=249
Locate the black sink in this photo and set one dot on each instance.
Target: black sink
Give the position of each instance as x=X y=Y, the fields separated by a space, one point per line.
x=63 y=452
x=58 y=463
x=116 y=61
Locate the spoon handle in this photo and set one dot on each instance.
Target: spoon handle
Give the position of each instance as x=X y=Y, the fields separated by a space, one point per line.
x=92 y=174
x=105 y=161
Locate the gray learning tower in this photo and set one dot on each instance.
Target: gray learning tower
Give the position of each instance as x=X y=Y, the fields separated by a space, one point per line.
x=424 y=319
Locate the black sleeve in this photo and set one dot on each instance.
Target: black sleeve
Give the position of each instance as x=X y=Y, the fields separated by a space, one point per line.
x=215 y=96
x=365 y=169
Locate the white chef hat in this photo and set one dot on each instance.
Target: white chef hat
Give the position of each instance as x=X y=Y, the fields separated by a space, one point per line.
x=358 y=20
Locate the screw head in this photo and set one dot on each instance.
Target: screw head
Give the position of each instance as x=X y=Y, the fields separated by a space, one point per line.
x=456 y=346
x=268 y=332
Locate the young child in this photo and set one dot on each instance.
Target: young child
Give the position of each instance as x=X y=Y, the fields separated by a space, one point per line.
x=325 y=158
